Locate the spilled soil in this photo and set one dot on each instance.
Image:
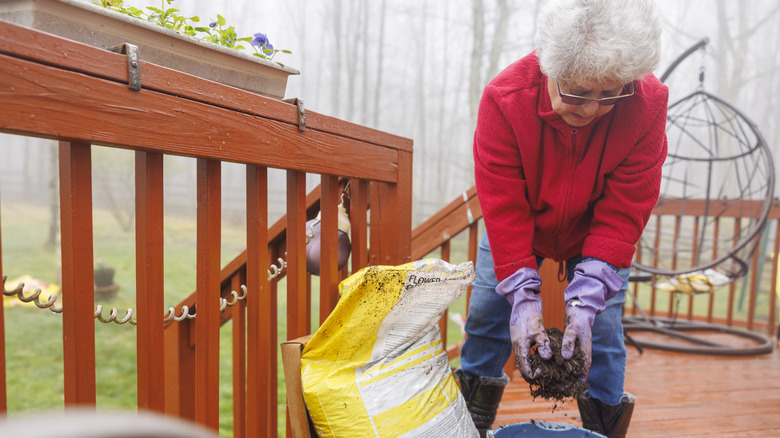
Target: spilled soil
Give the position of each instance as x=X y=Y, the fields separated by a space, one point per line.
x=560 y=379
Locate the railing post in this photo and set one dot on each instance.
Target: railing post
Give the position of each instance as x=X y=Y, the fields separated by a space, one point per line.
x=446 y=250
x=298 y=304
x=78 y=284
x=150 y=280
x=239 y=360
x=391 y=217
x=773 y=284
x=711 y=296
x=554 y=306
x=657 y=241
x=298 y=299
x=754 y=284
x=261 y=311
x=472 y=251
x=358 y=206
x=732 y=286
x=208 y=293
x=329 y=274
x=180 y=370
x=403 y=206
x=675 y=242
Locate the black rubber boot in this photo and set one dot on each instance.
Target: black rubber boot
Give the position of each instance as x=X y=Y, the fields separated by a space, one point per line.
x=609 y=420
x=482 y=394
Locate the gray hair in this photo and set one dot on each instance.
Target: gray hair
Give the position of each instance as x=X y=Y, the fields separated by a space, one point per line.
x=602 y=40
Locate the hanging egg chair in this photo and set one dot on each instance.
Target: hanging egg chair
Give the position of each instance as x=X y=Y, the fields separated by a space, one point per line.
x=716 y=193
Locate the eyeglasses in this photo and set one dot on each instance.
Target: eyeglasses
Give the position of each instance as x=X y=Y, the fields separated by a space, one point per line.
x=571 y=99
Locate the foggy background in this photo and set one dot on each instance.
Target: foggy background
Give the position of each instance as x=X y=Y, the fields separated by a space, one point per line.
x=416 y=68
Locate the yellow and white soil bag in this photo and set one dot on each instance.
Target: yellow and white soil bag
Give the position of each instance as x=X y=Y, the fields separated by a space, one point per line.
x=377 y=367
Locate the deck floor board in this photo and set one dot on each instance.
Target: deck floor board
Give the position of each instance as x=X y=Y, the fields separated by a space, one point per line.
x=681 y=395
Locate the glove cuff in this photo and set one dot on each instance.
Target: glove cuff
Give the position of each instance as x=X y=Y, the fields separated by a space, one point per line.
x=524 y=284
x=521 y=289
x=594 y=283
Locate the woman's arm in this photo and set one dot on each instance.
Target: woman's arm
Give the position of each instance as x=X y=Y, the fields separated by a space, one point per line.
x=630 y=192
x=501 y=187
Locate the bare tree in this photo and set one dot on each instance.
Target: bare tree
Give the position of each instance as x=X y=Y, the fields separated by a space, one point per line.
x=441 y=142
x=480 y=75
x=335 y=82
x=475 y=71
x=379 y=59
x=420 y=81
x=499 y=35
x=736 y=45
x=351 y=33
x=365 y=61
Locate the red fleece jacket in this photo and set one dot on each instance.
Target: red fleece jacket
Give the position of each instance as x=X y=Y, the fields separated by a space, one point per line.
x=551 y=190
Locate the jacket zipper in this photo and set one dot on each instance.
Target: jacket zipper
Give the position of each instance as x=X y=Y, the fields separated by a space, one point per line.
x=568 y=192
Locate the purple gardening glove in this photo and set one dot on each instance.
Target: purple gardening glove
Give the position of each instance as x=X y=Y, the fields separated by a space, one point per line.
x=526 y=326
x=594 y=282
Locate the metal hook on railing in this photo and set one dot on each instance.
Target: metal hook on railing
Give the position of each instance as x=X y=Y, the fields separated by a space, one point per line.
x=345 y=190
x=224 y=302
x=113 y=314
x=184 y=314
x=19 y=292
x=310 y=226
x=275 y=270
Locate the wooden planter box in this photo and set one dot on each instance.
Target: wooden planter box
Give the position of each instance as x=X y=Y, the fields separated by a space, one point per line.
x=99 y=27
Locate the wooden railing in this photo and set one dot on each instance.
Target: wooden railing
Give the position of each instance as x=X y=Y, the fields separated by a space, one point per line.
x=58 y=89
x=758 y=284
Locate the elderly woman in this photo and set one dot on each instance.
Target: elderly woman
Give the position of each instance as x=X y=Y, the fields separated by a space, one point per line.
x=568 y=151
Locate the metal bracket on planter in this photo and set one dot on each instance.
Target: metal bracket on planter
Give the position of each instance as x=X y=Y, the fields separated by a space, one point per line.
x=133 y=66
x=301 y=112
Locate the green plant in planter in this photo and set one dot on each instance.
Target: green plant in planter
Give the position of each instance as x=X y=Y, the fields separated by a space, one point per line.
x=220 y=33
x=217 y=32
x=168 y=18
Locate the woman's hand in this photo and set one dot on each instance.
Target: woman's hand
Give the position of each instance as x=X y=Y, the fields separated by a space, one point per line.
x=526 y=326
x=594 y=282
x=528 y=331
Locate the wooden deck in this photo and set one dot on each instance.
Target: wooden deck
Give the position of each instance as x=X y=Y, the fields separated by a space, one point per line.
x=680 y=395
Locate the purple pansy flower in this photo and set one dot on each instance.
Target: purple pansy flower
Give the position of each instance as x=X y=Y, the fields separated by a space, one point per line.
x=260 y=40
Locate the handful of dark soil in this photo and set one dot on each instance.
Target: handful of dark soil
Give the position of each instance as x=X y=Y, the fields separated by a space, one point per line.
x=560 y=379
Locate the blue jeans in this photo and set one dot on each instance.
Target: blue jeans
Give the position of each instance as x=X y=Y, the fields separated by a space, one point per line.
x=488 y=346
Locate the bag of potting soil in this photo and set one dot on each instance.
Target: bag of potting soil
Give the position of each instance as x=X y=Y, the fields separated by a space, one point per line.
x=377 y=366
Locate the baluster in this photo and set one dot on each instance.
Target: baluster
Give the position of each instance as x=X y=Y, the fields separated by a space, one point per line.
x=150 y=296
x=207 y=296
x=78 y=285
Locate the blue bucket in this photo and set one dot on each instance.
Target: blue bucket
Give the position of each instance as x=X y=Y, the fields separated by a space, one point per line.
x=542 y=429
